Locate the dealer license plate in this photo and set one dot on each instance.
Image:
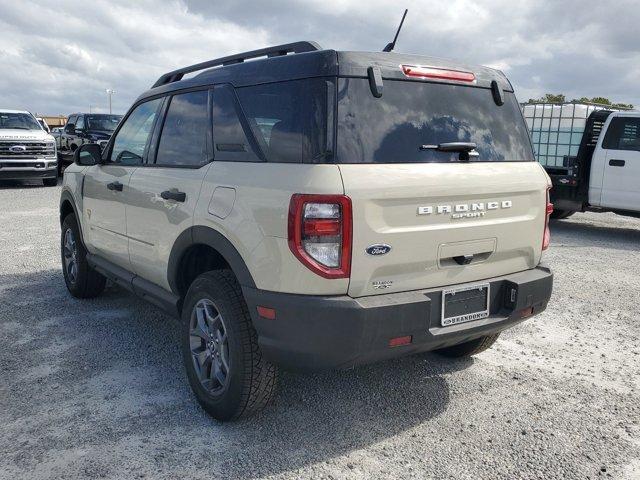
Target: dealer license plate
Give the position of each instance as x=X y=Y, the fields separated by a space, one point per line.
x=465 y=304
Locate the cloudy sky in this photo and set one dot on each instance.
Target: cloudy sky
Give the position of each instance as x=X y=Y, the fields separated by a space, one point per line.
x=59 y=56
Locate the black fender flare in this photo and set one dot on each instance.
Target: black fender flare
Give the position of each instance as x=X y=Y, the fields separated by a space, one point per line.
x=202 y=235
x=66 y=196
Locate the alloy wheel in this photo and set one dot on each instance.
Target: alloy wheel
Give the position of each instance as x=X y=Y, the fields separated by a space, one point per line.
x=70 y=252
x=209 y=347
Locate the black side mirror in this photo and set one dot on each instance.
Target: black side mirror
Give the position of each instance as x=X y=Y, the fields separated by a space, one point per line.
x=70 y=128
x=87 y=155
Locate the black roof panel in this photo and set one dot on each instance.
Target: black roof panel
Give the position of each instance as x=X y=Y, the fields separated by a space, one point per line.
x=321 y=63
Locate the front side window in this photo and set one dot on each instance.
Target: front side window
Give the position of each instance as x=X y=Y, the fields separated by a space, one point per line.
x=290 y=119
x=183 y=141
x=70 y=121
x=623 y=134
x=80 y=123
x=131 y=140
x=21 y=121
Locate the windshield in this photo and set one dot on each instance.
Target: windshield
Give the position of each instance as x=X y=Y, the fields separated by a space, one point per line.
x=22 y=121
x=409 y=115
x=107 y=123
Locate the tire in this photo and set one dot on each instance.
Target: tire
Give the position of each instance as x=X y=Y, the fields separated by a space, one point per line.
x=82 y=281
x=217 y=336
x=562 y=214
x=50 y=182
x=470 y=348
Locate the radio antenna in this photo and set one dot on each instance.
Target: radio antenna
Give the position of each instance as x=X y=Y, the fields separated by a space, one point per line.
x=392 y=45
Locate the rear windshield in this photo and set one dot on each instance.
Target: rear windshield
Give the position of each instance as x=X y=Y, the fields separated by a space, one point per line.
x=391 y=129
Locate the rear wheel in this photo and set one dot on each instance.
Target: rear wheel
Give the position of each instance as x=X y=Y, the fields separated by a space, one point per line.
x=82 y=281
x=224 y=364
x=472 y=347
x=561 y=214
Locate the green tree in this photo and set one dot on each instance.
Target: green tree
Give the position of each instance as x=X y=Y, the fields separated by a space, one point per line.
x=550 y=98
x=560 y=98
x=602 y=101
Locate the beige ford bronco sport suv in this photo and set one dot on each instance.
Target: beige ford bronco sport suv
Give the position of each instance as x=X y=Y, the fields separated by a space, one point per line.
x=314 y=209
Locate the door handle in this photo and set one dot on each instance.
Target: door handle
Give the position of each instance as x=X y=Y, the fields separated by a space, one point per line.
x=617 y=163
x=117 y=186
x=174 y=194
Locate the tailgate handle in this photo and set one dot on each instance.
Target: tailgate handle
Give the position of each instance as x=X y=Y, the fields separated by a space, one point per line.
x=463 y=259
x=616 y=163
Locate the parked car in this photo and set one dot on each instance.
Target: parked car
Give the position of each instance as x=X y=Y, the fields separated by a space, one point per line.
x=26 y=150
x=592 y=156
x=83 y=128
x=314 y=209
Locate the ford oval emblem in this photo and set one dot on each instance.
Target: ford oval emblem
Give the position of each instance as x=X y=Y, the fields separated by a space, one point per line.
x=378 y=249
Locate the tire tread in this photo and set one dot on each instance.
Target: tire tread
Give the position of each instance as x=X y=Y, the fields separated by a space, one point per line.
x=260 y=377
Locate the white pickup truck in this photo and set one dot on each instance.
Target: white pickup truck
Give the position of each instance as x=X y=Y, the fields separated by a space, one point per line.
x=597 y=169
x=27 y=151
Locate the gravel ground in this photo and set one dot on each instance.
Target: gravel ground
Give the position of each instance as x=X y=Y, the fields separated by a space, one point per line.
x=96 y=388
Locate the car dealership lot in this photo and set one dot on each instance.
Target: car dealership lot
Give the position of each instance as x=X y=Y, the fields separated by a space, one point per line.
x=96 y=388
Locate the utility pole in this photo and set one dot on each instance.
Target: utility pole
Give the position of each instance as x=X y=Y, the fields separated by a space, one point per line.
x=110 y=92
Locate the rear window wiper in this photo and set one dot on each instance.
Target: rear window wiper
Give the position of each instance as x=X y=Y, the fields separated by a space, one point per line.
x=465 y=149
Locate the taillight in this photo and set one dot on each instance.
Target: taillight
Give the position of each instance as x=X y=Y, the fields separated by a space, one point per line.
x=437 y=73
x=546 y=239
x=320 y=233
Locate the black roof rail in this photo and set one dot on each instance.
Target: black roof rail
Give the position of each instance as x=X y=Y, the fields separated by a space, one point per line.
x=275 y=51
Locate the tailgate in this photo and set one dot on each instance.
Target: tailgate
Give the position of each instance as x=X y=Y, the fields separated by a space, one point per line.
x=445 y=223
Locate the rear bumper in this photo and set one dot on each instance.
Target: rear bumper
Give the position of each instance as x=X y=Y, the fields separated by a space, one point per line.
x=313 y=332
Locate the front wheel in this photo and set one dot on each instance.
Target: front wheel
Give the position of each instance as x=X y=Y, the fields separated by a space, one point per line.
x=224 y=364
x=50 y=182
x=470 y=348
x=82 y=281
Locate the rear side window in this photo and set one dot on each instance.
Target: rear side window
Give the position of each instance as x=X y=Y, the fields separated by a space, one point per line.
x=391 y=129
x=183 y=140
x=290 y=119
x=229 y=138
x=623 y=134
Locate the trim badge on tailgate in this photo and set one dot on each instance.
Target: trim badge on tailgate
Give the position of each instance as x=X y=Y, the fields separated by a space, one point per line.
x=465 y=210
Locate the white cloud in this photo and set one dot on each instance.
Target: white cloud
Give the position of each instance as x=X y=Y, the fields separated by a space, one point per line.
x=66 y=63
x=60 y=56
